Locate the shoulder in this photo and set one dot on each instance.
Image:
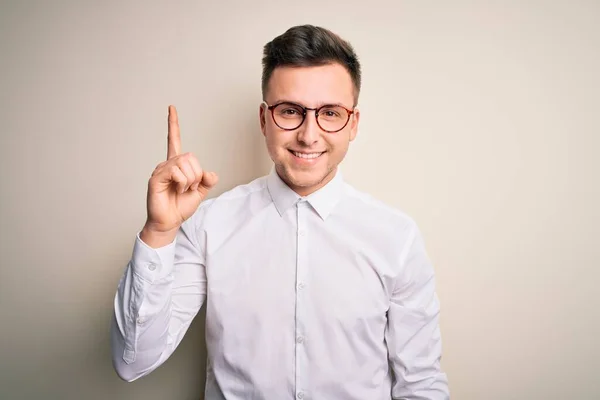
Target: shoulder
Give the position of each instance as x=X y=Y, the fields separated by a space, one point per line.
x=389 y=230
x=369 y=208
x=382 y=226
x=242 y=192
x=233 y=203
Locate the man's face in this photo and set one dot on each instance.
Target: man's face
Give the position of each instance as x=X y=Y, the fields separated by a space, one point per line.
x=310 y=87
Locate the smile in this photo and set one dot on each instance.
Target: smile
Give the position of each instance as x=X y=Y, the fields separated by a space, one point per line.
x=307 y=156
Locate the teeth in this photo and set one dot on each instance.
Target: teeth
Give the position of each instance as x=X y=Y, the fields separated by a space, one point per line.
x=310 y=155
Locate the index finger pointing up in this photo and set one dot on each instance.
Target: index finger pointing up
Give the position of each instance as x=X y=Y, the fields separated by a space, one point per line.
x=173 y=138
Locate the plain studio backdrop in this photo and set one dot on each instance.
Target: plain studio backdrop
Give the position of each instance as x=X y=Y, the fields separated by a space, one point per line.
x=479 y=119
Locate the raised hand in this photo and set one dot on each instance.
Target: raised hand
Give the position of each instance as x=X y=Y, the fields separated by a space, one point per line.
x=175 y=190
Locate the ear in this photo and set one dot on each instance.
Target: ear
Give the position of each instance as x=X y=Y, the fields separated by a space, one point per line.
x=354 y=123
x=262 y=115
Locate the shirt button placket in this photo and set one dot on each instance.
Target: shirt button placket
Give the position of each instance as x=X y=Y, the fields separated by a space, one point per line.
x=301 y=259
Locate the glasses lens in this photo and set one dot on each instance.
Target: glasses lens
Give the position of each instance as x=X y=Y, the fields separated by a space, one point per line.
x=332 y=118
x=288 y=115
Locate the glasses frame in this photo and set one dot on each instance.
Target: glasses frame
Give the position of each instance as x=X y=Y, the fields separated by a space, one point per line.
x=305 y=111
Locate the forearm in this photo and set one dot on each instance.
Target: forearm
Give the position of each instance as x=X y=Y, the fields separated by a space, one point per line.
x=143 y=332
x=139 y=331
x=415 y=358
x=413 y=335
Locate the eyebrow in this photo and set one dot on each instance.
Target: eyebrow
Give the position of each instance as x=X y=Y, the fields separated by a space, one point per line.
x=318 y=105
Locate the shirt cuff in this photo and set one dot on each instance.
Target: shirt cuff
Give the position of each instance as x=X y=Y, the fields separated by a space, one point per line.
x=152 y=264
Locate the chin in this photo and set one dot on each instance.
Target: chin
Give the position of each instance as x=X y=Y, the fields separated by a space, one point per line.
x=305 y=178
x=306 y=175
x=306 y=183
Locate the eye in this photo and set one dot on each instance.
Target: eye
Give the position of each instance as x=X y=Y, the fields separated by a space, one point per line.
x=332 y=112
x=290 y=111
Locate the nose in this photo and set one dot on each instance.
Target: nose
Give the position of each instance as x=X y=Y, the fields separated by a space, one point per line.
x=309 y=131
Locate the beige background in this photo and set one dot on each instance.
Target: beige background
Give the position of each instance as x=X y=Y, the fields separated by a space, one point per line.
x=479 y=119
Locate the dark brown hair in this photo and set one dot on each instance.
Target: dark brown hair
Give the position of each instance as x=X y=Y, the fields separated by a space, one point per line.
x=309 y=46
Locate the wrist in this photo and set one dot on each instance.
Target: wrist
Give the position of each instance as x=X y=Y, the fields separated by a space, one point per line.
x=155 y=238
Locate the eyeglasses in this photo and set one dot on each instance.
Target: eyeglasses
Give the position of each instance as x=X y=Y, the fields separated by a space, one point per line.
x=330 y=117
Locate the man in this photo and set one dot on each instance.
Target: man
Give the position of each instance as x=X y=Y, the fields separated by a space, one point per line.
x=313 y=289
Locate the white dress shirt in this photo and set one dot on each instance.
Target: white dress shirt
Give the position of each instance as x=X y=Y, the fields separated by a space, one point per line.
x=328 y=296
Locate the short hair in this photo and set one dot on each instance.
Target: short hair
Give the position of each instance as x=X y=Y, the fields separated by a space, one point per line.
x=309 y=46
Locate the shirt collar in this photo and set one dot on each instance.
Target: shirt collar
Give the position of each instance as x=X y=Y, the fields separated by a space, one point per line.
x=323 y=200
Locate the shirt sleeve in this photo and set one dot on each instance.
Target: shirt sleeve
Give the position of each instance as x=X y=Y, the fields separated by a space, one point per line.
x=412 y=333
x=157 y=298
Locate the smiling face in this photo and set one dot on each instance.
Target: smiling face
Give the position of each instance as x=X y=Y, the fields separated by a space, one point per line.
x=307 y=158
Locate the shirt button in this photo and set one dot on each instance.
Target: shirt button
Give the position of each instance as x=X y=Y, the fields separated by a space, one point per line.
x=140 y=320
x=301 y=285
x=300 y=395
x=301 y=232
x=151 y=266
x=299 y=339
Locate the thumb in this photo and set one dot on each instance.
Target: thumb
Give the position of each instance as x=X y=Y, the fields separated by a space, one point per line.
x=209 y=180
